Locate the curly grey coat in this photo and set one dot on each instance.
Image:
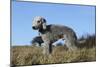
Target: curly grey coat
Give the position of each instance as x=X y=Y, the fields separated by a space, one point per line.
x=52 y=33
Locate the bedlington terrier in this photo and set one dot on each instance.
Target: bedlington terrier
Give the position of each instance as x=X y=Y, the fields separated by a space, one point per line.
x=51 y=33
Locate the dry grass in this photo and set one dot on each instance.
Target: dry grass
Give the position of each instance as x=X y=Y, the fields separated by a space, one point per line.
x=32 y=55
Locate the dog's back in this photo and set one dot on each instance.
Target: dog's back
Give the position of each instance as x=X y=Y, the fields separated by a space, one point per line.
x=55 y=32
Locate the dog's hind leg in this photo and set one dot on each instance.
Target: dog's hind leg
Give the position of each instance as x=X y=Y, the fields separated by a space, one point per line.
x=70 y=43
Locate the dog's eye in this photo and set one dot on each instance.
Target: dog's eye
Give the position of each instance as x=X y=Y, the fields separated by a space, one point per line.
x=38 y=21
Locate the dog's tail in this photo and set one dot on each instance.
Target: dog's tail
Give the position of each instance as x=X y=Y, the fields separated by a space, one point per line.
x=81 y=41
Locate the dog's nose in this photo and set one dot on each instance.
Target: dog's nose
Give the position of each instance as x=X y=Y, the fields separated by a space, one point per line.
x=34 y=28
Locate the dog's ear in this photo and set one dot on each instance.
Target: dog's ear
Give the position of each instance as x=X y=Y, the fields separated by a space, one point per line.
x=44 y=24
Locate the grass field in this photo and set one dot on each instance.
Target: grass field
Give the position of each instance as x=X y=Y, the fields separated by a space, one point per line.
x=32 y=55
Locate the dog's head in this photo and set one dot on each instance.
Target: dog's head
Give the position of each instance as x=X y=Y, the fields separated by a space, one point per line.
x=39 y=23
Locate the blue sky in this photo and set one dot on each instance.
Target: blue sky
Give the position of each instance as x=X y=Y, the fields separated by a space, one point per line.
x=78 y=17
